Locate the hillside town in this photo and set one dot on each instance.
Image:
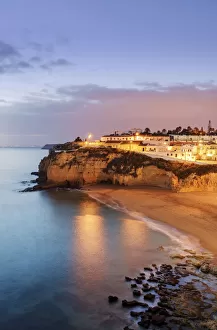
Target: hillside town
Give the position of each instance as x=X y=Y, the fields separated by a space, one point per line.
x=184 y=144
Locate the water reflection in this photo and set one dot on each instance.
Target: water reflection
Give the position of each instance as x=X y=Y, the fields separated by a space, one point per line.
x=89 y=245
x=133 y=237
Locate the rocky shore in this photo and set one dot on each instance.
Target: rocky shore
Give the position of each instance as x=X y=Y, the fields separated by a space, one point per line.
x=42 y=184
x=174 y=296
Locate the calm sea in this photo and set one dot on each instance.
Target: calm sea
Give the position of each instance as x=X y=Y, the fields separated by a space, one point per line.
x=62 y=254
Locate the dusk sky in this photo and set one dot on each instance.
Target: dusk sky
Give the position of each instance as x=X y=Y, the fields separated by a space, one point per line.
x=70 y=67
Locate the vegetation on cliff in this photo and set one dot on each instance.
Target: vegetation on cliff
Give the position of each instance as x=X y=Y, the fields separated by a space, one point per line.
x=129 y=162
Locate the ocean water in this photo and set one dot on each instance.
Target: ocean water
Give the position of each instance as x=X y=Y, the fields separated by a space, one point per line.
x=62 y=253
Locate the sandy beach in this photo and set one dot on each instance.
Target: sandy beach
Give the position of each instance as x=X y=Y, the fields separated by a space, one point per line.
x=193 y=213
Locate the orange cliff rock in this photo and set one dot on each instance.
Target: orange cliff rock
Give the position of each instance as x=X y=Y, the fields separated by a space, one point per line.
x=100 y=165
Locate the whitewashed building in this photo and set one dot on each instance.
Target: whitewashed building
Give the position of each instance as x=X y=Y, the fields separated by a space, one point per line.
x=146 y=139
x=194 y=138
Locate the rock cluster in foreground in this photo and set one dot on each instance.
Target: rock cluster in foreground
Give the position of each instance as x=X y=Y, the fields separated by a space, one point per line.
x=173 y=297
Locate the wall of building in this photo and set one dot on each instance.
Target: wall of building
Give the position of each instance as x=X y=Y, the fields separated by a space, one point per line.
x=195 y=138
x=155 y=140
x=207 y=152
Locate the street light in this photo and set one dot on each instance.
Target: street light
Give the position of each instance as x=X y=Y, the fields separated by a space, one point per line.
x=88 y=138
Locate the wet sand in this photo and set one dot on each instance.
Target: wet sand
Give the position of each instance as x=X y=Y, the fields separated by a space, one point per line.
x=194 y=213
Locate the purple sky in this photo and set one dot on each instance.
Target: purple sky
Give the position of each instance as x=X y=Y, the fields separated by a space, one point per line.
x=70 y=67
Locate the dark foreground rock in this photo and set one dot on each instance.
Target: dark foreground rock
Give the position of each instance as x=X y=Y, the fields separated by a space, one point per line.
x=35 y=173
x=136 y=293
x=149 y=296
x=112 y=299
x=47 y=186
x=133 y=303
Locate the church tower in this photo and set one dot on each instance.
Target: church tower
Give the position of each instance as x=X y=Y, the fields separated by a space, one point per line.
x=209 y=127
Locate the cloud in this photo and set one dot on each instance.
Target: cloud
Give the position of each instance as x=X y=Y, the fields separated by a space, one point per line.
x=11 y=60
x=14 y=67
x=95 y=92
x=177 y=86
x=23 y=65
x=60 y=62
x=3 y=101
x=80 y=109
x=7 y=51
x=18 y=135
x=35 y=59
x=149 y=85
x=38 y=47
x=62 y=41
x=44 y=90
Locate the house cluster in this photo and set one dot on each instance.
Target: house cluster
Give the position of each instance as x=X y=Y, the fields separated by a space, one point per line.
x=182 y=147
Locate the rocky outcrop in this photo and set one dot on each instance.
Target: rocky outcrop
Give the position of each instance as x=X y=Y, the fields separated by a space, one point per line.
x=105 y=165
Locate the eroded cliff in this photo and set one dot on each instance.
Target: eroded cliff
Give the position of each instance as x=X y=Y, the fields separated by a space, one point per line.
x=100 y=165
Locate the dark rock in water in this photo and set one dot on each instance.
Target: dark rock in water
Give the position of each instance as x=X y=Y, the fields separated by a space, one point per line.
x=141 y=277
x=205 y=268
x=152 y=279
x=165 y=267
x=181 y=271
x=148 y=269
x=127 y=328
x=163 y=299
x=47 y=186
x=138 y=281
x=158 y=319
x=144 y=323
x=154 y=310
x=128 y=279
x=136 y=293
x=136 y=314
x=133 y=303
x=30 y=189
x=165 y=312
x=112 y=299
x=134 y=285
x=158 y=272
x=142 y=274
x=146 y=287
x=35 y=173
x=149 y=296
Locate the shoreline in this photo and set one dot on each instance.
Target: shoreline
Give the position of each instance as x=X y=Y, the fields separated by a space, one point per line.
x=194 y=214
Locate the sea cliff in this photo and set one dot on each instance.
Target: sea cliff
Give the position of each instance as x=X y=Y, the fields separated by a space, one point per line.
x=106 y=165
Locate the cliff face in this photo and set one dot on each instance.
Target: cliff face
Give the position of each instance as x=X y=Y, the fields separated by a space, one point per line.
x=94 y=165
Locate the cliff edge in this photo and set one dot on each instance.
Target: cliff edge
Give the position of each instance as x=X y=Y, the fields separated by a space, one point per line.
x=106 y=165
